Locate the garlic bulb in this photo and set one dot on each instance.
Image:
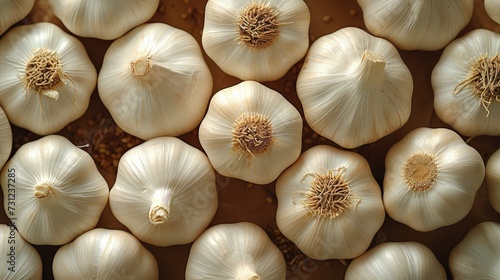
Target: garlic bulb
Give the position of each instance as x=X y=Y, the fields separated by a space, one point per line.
x=164 y=192
x=396 y=260
x=20 y=260
x=102 y=254
x=354 y=88
x=431 y=178
x=251 y=132
x=155 y=82
x=329 y=204
x=417 y=24
x=53 y=191
x=465 y=81
x=256 y=40
x=46 y=77
x=105 y=20
x=492 y=8
x=478 y=254
x=13 y=11
x=492 y=178
x=235 y=251
x=5 y=138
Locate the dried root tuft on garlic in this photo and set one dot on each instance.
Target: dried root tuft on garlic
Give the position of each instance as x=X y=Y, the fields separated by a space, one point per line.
x=396 y=260
x=492 y=179
x=235 y=251
x=492 y=8
x=478 y=254
x=329 y=204
x=251 y=132
x=155 y=82
x=417 y=24
x=5 y=138
x=354 y=88
x=105 y=20
x=19 y=259
x=59 y=193
x=466 y=84
x=165 y=192
x=46 y=77
x=256 y=40
x=104 y=254
x=13 y=11
x=431 y=179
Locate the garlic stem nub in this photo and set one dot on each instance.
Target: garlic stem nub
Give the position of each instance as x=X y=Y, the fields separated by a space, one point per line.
x=141 y=66
x=43 y=190
x=159 y=213
x=371 y=67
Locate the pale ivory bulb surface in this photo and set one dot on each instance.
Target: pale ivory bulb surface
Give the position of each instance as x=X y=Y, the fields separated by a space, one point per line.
x=59 y=193
x=155 y=82
x=354 y=87
x=235 y=251
x=396 y=260
x=251 y=132
x=5 y=138
x=46 y=77
x=431 y=178
x=492 y=8
x=105 y=20
x=477 y=256
x=465 y=81
x=165 y=192
x=19 y=259
x=13 y=11
x=417 y=24
x=104 y=254
x=492 y=178
x=329 y=203
x=257 y=40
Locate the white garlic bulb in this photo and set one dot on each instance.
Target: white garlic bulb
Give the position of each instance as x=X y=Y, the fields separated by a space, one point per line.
x=53 y=190
x=465 y=81
x=5 y=138
x=329 y=204
x=354 y=88
x=46 y=77
x=235 y=251
x=478 y=254
x=20 y=260
x=492 y=179
x=257 y=40
x=251 y=132
x=105 y=20
x=396 y=260
x=13 y=11
x=417 y=24
x=492 y=8
x=431 y=178
x=165 y=192
x=103 y=254
x=155 y=82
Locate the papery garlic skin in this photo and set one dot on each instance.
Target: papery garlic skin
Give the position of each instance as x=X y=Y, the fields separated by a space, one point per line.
x=417 y=24
x=462 y=98
x=431 y=179
x=5 y=138
x=329 y=204
x=396 y=260
x=105 y=20
x=478 y=254
x=233 y=39
x=155 y=82
x=13 y=11
x=103 y=254
x=19 y=259
x=354 y=88
x=492 y=8
x=235 y=251
x=251 y=132
x=492 y=179
x=165 y=192
x=59 y=193
x=69 y=77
